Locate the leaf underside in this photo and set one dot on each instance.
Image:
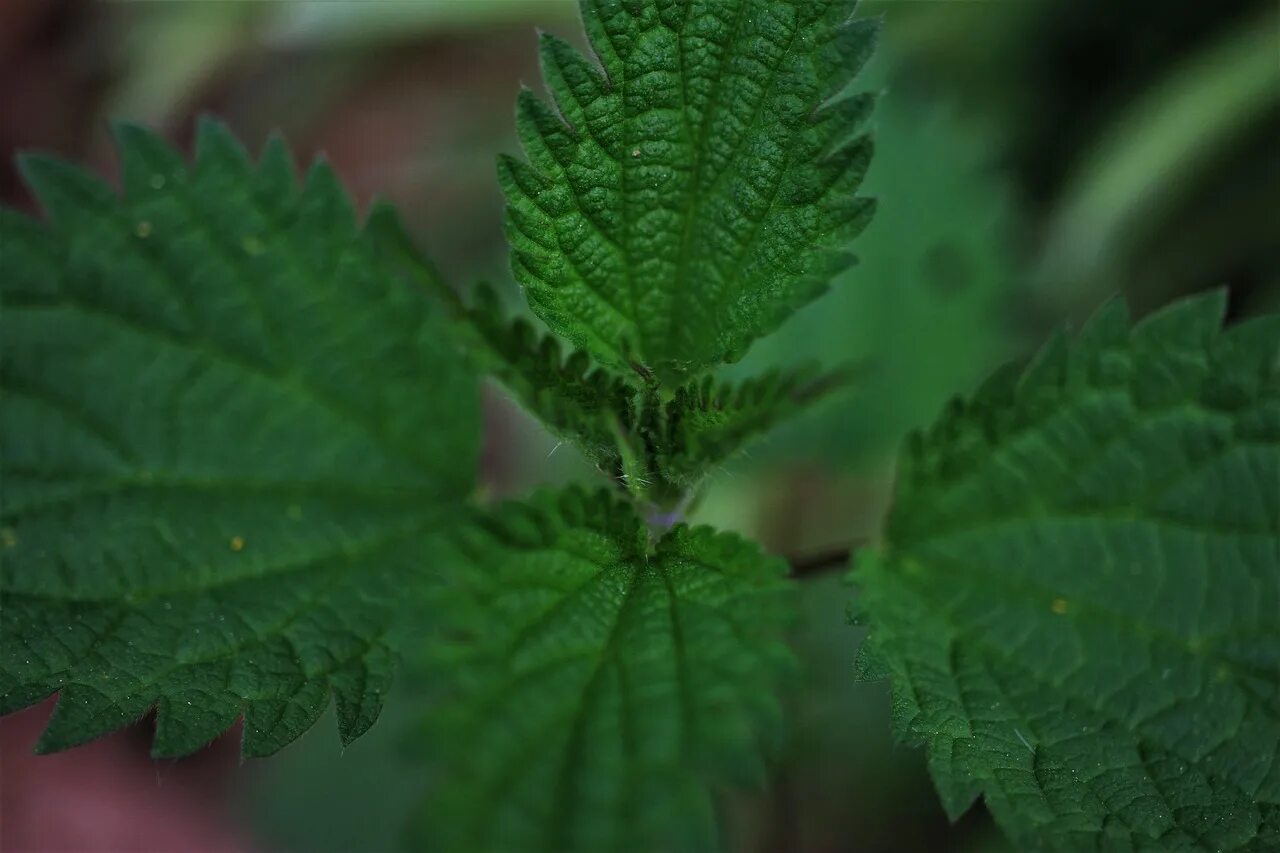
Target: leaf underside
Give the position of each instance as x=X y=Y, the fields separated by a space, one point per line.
x=594 y=684
x=688 y=195
x=1079 y=601
x=228 y=437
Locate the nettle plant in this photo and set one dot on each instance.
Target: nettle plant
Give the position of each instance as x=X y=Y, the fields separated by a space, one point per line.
x=239 y=441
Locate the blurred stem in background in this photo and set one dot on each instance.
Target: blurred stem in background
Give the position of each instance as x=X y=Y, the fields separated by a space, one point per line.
x=1149 y=157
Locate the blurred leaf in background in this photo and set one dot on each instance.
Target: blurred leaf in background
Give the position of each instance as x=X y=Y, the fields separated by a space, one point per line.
x=924 y=314
x=1141 y=137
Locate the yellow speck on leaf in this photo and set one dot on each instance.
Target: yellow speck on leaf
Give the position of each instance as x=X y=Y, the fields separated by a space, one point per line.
x=253 y=246
x=8 y=537
x=635 y=152
x=144 y=229
x=237 y=543
x=1059 y=606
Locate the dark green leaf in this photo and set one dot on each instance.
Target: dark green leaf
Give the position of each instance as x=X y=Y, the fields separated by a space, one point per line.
x=699 y=187
x=709 y=421
x=576 y=399
x=228 y=437
x=598 y=682
x=1079 y=600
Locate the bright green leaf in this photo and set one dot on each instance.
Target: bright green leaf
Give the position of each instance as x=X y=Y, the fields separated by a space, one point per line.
x=228 y=437
x=1079 y=600
x=597 y=683
x=698 y=188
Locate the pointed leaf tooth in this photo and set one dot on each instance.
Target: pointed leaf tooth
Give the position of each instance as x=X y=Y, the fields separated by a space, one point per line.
x=570 y=77
x=219 y=153
x=358 y=693
x=543 y=137
x=1190 y=321
x=83 y=714
x=66 y=193
x=270 y=724
x=847 y=50
x=842 y=172
x=187 y=721
x=841 y=121
x=147 y=162
x=277 y=180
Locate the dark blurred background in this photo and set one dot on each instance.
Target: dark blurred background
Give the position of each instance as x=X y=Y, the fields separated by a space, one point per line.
x=1034 y=158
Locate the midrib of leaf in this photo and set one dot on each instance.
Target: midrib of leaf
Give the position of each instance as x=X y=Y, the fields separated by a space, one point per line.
x=635 y=319
x=566 y=787
x=695 y=194
x=741 y=255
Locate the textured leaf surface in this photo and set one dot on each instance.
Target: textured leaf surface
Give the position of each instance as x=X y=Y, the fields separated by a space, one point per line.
x=699 y=187
x=224 y=449
x=597 y=684
x=573 y=397
x=627 y=430
x=1079 y=601
x=708 y=421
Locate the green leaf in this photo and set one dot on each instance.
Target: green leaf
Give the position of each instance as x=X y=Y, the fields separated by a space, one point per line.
x=659 y=448
x=229 y=436
x=573 y=397
x=699 y=187
x=597 y=683
x=1079 y=600
x=576 y=399
x=708 y=421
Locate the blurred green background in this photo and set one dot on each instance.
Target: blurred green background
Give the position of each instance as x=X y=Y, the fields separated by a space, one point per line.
x=1034 y=158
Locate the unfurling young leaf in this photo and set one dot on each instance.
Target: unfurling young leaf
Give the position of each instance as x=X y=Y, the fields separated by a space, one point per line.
x=696 y=189
x=1078 y=602
x=596 y=682
x=229 y=437
x=709 y=421
x=573 y=397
